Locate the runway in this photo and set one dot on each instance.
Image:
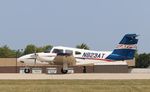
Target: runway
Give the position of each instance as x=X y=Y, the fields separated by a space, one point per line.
x=90 y=76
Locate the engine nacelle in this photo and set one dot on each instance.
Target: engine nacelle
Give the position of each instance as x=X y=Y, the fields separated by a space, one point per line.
x=66 y=58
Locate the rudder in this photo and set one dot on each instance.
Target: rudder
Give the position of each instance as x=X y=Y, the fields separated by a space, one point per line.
x=126 y=49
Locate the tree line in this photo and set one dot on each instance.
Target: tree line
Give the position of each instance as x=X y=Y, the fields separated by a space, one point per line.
x=6 y=52
x=142 y=60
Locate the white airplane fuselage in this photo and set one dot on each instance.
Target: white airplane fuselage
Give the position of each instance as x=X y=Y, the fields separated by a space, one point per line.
x=82 y=56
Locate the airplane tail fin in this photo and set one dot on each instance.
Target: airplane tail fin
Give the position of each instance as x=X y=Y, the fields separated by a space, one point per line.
x=126 y=49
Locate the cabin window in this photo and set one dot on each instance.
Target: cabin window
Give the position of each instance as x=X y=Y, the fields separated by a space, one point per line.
x=57 y=51
x=77 y=53
x=69 y=51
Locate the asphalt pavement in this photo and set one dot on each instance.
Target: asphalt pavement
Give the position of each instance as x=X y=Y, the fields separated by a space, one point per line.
x=88 y=76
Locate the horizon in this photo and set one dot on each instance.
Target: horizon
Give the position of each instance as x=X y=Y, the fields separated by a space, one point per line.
x=99 y=24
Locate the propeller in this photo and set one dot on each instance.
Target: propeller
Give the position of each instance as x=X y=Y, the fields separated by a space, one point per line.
x=35 y=54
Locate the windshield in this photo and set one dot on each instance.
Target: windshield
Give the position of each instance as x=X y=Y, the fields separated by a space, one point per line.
x=57 y=51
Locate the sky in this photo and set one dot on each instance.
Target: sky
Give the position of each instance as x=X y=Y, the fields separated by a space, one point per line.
x=100 y=24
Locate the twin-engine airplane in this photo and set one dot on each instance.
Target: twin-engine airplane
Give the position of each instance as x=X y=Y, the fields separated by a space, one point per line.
x=125 y=50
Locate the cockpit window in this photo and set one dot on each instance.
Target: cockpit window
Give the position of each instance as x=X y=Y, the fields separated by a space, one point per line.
x=57 y=51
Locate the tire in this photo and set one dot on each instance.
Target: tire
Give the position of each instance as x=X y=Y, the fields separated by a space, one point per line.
x=84 y=69
x=27 y=70
x=64 y=71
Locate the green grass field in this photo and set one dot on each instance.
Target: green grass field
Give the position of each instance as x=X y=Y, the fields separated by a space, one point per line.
x=75 y=86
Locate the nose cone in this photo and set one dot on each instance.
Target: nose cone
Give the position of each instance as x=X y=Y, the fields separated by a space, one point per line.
x=30 y=58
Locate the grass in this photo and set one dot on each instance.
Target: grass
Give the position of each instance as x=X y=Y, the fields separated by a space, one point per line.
x=74 y=85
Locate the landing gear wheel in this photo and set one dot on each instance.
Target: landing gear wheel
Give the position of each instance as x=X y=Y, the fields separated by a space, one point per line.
x=27 y=70
x=64 y=71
